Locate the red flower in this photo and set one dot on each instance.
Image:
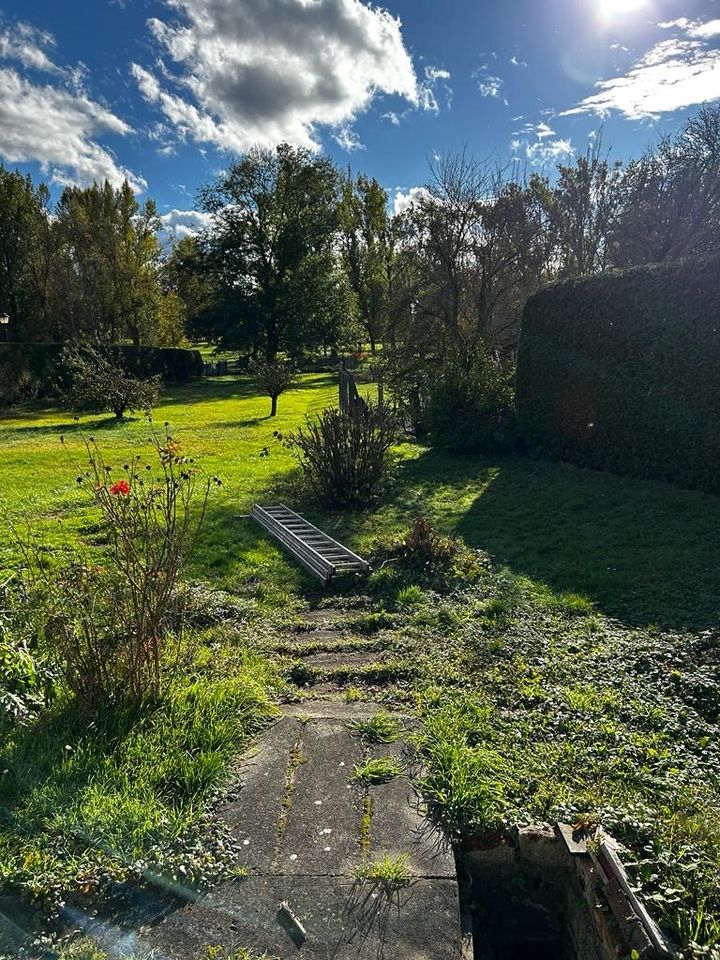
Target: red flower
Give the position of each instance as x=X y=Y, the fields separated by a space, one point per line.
x=121 y=488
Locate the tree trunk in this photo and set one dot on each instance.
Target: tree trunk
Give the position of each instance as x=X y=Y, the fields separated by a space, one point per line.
x=273 y=406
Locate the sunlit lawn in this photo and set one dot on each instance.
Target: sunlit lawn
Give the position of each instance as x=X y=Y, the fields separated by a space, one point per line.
x=644 y=552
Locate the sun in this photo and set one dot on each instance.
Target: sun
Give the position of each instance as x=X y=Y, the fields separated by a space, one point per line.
x=610 y=9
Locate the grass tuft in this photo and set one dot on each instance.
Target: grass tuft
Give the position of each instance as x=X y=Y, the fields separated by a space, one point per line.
x=377 y=770
x=381 y=728
x=388 y=873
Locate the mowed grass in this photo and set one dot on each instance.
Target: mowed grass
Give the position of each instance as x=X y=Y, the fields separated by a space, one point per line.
x=223 y=423
x=643 y=552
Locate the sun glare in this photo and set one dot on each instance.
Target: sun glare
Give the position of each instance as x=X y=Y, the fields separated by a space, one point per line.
x=609 y=9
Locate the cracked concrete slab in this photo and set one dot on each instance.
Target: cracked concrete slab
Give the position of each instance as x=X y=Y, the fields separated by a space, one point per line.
x=299 y=821
x=323 y=824
x=253 y=815
x=344 y=920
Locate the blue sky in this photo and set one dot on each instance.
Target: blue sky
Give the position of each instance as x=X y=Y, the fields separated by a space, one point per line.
x=166 y=91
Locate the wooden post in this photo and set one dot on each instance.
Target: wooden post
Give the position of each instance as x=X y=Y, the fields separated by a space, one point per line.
x=343 y=387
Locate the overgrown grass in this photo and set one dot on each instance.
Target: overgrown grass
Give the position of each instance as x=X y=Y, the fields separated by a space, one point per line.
x=124 y=797
x=551 y=712
x=576 y=676
x=637 y=550
x=388 y=873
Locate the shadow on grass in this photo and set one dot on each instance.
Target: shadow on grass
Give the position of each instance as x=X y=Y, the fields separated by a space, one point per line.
x=204 y=391
x=235 y=424
x=640 y=550
x=64 y=429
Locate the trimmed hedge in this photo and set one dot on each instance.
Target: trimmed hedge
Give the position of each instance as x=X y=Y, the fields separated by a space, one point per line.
x=621 y=372
x=41 y=362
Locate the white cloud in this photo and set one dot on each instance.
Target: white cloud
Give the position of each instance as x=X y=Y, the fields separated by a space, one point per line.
x=517 y=62
x=681 y=22
x=709 y=29
x=57 y=128
x=405 y=199
x=427 y=90
x=27 y=45
x=185 y=223
x=540 y=130
x=696 y=28
x=262 y=71
x=675 y=73
x=489 y=85
x=543 y=149
x=348 y=139
x=54 y=123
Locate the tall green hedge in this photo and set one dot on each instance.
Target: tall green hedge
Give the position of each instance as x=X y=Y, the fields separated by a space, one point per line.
x=622 y=372
x=42 y=362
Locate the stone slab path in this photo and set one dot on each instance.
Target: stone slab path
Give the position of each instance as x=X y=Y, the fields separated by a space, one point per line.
x=306 y=827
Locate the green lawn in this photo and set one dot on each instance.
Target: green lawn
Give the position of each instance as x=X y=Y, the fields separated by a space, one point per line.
x=575 y=676
x=642 y=551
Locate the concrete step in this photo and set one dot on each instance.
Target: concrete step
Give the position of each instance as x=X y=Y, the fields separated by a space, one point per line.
x=359 y=667
x=327 y=641
x=343 y=920
x=304 y=828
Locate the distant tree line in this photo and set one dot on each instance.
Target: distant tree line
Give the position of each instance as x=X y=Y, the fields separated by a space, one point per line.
x=300 y=257
x=90 y=268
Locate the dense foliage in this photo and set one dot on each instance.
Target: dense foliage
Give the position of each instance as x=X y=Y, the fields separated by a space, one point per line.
x=36 y=370
x=470 y=404
x=621 y=372
x=97 y=382
x=89 y=267
x=269 y=255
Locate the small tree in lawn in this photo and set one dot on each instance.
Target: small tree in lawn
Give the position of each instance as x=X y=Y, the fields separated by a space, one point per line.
x=97 y=384
x=273 y=378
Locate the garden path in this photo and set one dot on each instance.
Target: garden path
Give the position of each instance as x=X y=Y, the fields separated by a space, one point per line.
x=306 y=827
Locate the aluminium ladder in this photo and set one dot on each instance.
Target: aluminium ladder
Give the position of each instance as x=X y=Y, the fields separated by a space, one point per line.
x=315 y=550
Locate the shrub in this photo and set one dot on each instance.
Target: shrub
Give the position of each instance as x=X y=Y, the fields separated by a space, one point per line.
x=273 y=378
x=423 y=544
x=98 y=382
x=40 y=366
x=470 y=404
x=622 y=372
x=345 y=454
x=25 y=680
x=409 y=597
x=106 y=617
x=16 y=385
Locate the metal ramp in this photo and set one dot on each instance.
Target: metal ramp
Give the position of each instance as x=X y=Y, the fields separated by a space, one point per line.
x=315 y=550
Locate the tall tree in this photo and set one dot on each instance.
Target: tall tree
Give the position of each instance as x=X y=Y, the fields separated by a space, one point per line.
x=583 y=207
x=271 y=251
x=367 y=249
x=24 y=251
x=483 y=243
x=671 y=196
x=107 y=266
